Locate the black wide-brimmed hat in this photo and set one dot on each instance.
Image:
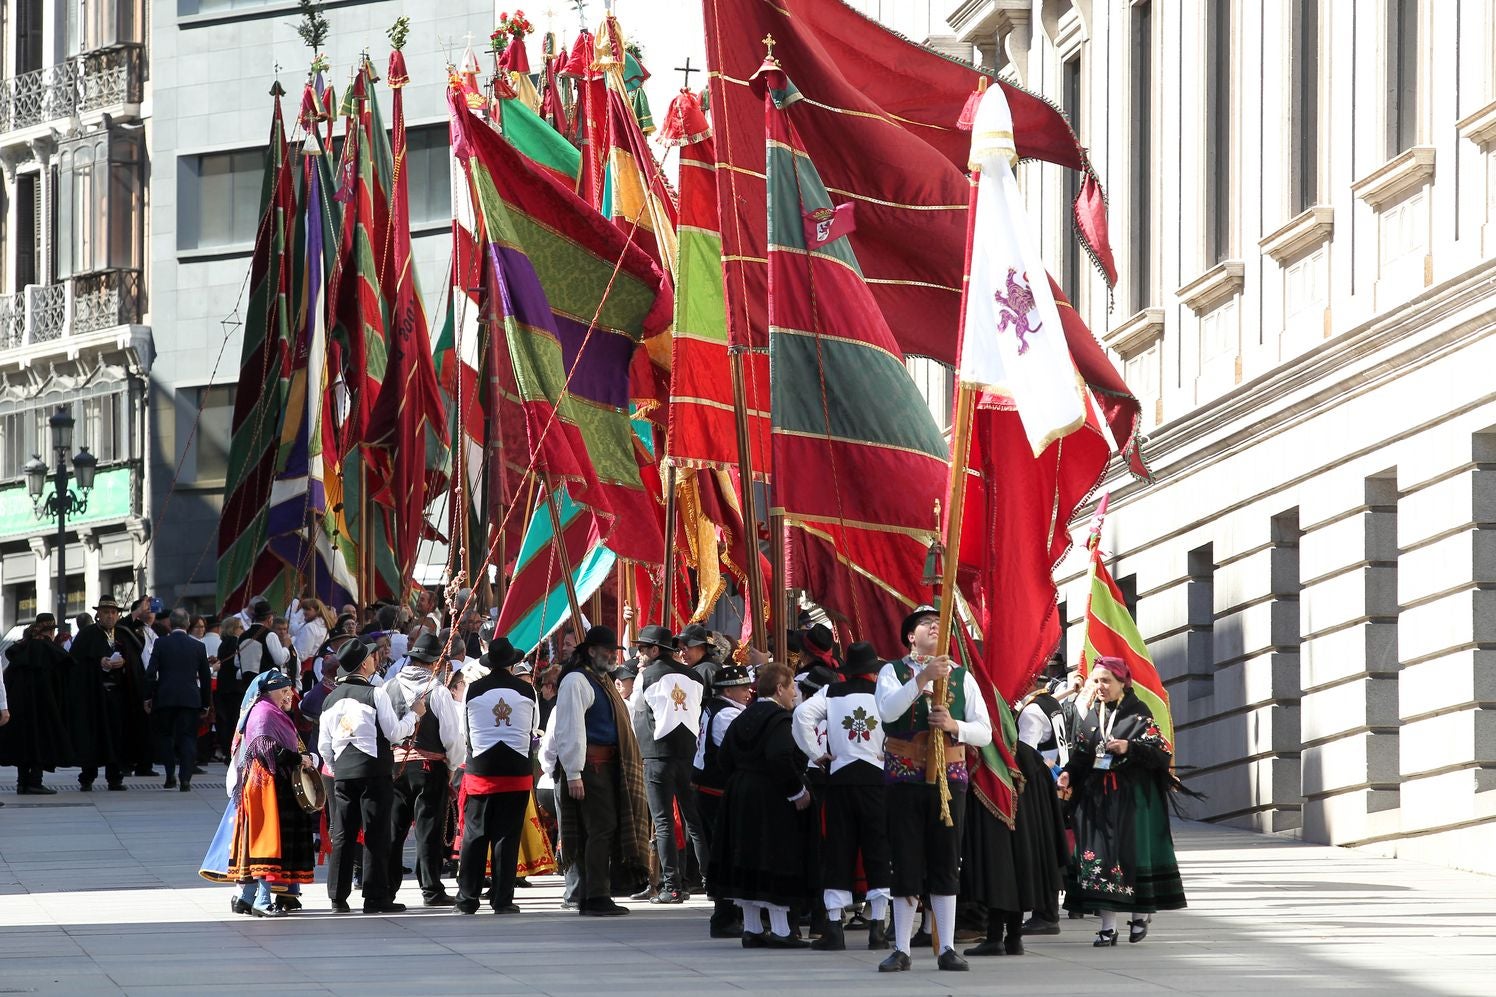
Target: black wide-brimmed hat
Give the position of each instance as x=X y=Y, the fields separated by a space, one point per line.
x=427 y=648
x=820 y=637
x=601 y=637
x=862 y=659
x=731 y=675
x=655 y=635
x=912 y=620
x=695 y=635
x=108 y=603
x=351 y=656
x=502 y=654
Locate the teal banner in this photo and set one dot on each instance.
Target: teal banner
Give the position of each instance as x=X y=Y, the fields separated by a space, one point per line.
x=109 y=500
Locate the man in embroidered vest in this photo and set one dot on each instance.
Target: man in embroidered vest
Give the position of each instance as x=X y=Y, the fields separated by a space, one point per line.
x=855 y=817
x=604 y=819
x=357 y=726
x=926 y=853
x=500 y=721
x=666 y=710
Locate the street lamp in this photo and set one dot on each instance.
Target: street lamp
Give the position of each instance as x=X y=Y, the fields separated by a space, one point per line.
x=62 y=502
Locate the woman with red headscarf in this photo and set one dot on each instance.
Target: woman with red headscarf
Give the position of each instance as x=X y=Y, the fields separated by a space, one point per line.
x=1119 y=778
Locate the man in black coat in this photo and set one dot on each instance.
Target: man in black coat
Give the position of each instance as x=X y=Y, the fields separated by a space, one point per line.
x=179 y=691
x=101 y=694
x=35 y=740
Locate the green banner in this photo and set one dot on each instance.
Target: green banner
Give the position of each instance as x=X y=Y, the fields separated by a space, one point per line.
x=109 y=500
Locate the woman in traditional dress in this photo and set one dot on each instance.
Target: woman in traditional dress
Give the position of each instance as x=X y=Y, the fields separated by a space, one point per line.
x=1119 y=779
x=272 y=842
x=757 y=852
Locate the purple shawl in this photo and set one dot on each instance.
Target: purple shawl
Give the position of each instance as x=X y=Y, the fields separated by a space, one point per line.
x=268 y=730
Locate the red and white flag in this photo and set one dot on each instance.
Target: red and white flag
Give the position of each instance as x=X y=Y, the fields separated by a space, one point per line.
x=1014 y=344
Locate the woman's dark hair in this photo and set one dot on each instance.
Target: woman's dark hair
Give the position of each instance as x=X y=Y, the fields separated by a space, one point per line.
x=772 y=676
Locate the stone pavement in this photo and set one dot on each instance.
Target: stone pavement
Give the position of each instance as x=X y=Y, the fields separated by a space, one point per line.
x=99 y=893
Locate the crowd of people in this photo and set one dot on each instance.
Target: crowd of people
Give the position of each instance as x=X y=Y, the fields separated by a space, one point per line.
x=793 y=792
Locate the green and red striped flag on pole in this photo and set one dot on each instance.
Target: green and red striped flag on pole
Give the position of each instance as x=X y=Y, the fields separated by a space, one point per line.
x=1111 y=633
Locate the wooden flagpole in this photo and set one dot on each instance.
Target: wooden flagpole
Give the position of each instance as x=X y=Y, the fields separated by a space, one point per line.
x=563 y=557
x=780 y=618
x=672 y=512
x=754 y=609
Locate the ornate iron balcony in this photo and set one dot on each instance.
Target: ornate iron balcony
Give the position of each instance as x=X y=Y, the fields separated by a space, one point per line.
x=102 y=78
x=83 y=304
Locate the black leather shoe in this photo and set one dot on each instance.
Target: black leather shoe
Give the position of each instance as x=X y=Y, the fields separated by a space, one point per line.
x=1039 y=926
x=648 y=893
x=341 y=907
x=774 y=941
x=730 y=930
x=877 y=936
x=988 y=947
x=897 y=962
x=185 y=787
x=267 y=911
x=383 y=907
x=506 y=909
x=170 y=783
x=1013 y=945
x=85 y=787
x=753 y=940
x=952 y=962
x=288 y=902
x=37 y=790
x=1104 y=939
x=147 y=773
x=117 y=787
x=238 y=906
x=1137 y=930
x=1076 y=915
x=920 y=940
x=465 y=908
x=199 y=770
x=602 y=907
x=668 y=897
x=440 y=900
x=833 y=938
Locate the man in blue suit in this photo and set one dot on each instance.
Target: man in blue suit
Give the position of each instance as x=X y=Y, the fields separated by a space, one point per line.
x=179 y=689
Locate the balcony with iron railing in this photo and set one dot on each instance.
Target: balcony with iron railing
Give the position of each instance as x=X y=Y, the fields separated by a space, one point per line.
x=92 y=309
x=108 y=79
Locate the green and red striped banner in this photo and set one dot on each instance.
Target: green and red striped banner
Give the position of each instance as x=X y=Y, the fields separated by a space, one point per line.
x=1111 y=633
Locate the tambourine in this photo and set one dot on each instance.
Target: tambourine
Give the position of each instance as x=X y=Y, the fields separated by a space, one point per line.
x=310 y=791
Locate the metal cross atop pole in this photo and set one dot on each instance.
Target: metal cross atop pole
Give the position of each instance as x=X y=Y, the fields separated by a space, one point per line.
x=687 y=69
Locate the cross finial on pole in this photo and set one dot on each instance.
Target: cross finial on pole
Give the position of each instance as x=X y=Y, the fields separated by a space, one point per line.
x=768 y=41
x=687 y=69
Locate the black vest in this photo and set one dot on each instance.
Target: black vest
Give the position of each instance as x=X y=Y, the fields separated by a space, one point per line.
x=679 y=743
x=353 y=763
x=710 y=776
x=1051 y=708
x=428 y=735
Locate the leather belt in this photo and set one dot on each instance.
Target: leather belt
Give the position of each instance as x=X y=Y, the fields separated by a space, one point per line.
x=918 y=749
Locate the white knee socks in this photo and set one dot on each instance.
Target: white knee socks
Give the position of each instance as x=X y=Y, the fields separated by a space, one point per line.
x=753 y=918
x=1108 y=920
x=903 y=922
x=879 y=905
x=779 y=920
x=945 y=920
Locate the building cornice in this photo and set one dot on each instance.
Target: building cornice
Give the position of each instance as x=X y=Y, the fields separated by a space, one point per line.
x=1480 y=127
x=1396 y=178
x=1302 y=234
x=1352 y=363
x=1214 y=286
x=1136 y=334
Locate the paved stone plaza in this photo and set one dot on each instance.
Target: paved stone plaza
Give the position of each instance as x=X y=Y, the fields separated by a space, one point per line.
x=99 y=893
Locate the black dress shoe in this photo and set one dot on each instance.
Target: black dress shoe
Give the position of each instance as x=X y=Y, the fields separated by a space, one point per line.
x=506 y=909
x=1013 y=945
x=383 y=907
x=668 y=897
x=648 y=893
x=238 y=906
x=199 y=770
x=1105 y=938
x=85 y=787
x=952 y=962
x=440 y=900
x=117 y=787
x=774 y=941
x=1076 y=915
x=37 y=790
x=877 y=936
x=897 y=962
x=833 y=938
x=992 y=946
x=170 y=783
x=147 y=772
x=734 y=930
x=920 y=940
x=341 y=907
x=753 y=940
x=471 y=907
x=1039 y=926
x=185 y=787
x=288 y=902
x=523 y=883
x=1137 y=930
x=602 y=907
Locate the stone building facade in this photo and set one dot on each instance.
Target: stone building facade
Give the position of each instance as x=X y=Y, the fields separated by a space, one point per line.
x=1303 y=204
